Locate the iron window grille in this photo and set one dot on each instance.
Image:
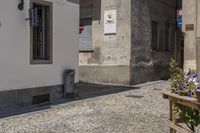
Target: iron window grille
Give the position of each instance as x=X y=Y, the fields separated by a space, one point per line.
x=41 y=33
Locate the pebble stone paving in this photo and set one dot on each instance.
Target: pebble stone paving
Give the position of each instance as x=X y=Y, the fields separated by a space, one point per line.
x=135 y=111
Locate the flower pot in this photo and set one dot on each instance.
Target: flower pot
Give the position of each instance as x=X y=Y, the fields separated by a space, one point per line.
x=198 y=96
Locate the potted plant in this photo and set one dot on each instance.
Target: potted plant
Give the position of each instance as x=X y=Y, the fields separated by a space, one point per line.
x=186 y=84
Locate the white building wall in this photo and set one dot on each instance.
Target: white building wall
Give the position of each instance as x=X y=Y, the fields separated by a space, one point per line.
x=15 y=69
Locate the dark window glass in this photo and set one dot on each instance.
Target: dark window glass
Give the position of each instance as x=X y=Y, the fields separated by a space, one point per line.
x=167 y=37
x=155 y=36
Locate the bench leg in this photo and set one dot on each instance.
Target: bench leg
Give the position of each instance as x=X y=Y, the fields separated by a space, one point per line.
x=172 y=116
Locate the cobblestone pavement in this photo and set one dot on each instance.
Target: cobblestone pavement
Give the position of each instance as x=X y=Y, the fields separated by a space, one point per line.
x=135 y=111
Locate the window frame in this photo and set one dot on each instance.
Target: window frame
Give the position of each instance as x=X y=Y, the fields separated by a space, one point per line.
x=50 y=60
x=89 y=50
x=158 y=36
x=168 y=37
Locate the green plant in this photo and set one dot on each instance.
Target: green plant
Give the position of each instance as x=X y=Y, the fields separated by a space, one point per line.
x=185 y=84
x=176 y=76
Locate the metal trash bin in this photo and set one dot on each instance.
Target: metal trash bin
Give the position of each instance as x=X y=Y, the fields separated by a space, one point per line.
x=69 y=87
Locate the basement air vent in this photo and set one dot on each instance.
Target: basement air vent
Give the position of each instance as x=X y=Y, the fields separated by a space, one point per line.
x=40 y=99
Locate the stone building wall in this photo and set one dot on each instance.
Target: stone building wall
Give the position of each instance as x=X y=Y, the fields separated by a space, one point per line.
x=127 y=56
x=148 y=64
x=21 y=82
x=109 y=60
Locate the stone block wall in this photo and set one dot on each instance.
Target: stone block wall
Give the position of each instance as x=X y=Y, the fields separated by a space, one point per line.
x=148 y=64
x=109 y=51
x=128 y=54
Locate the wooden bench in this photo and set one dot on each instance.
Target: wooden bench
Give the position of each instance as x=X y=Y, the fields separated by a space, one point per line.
x=173 y=122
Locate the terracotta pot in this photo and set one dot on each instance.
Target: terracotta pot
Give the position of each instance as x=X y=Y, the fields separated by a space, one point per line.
x=198 y=96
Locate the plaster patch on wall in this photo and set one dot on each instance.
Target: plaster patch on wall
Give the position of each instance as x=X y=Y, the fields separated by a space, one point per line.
x=95 y=57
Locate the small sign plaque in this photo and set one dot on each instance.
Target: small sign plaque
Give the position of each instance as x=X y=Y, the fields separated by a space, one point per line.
x=189 y=27
x=110 y=21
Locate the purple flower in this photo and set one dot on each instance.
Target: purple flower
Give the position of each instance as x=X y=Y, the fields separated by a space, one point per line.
x=194 y=75
x=189 y=72
x=189 y=93
x=198 y=88
x=182 y=85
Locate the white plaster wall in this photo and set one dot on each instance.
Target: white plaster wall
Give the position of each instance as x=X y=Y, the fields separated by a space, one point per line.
x=190 y=17
x=15 y=69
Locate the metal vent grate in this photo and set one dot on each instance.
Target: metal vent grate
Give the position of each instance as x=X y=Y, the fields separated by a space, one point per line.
x=39 y=99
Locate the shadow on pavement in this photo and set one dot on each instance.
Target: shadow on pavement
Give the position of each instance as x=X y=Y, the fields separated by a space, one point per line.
x=83 y=91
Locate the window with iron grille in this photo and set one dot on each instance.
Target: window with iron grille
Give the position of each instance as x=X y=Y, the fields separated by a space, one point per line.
x=41 y=32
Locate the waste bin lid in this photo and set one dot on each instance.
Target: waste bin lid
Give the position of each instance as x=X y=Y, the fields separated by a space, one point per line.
x=69 y=71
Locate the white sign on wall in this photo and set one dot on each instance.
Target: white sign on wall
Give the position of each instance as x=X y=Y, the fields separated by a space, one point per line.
x=110 y=21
